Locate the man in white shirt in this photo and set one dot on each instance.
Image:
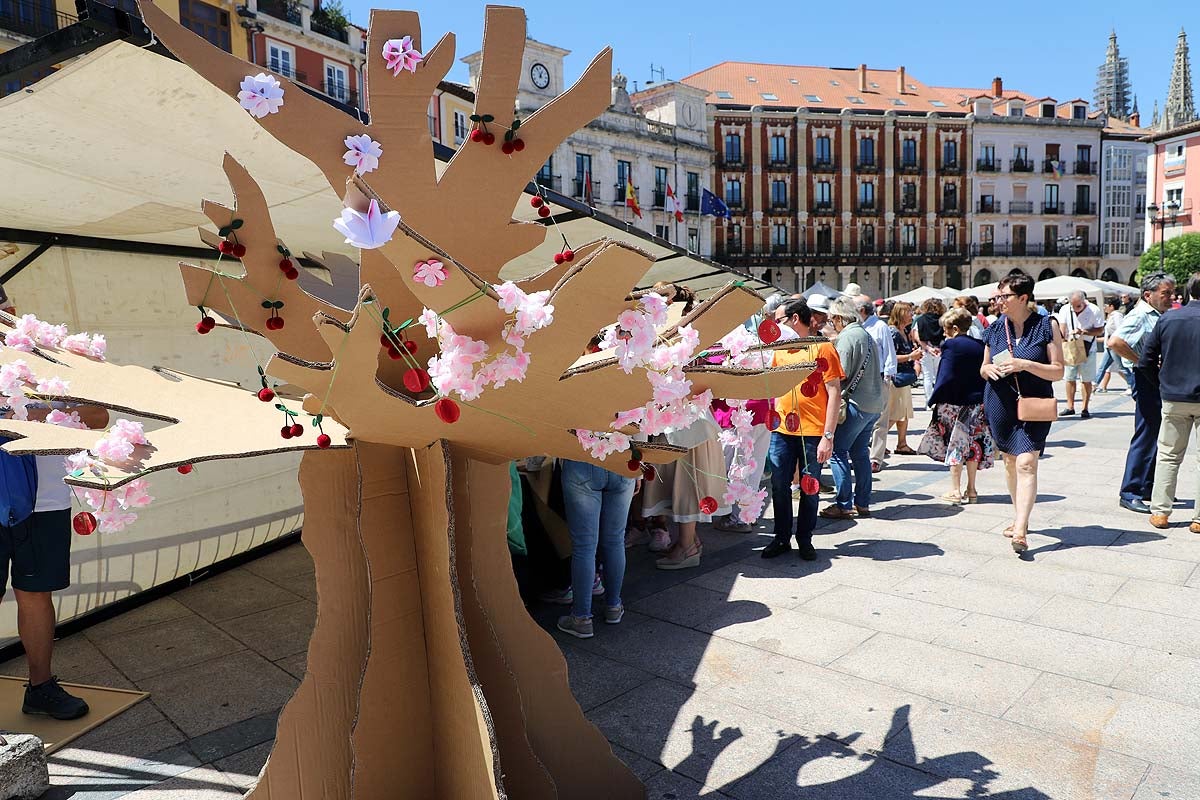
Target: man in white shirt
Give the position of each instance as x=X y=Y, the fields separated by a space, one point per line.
x=885 y=351
x=36 y=552
x=1079 y=319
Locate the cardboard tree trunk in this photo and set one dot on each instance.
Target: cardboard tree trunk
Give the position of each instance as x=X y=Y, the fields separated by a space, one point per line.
x=426 y=677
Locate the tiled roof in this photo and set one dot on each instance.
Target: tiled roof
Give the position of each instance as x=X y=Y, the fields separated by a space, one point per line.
x=740 y=83
x=1121 y=127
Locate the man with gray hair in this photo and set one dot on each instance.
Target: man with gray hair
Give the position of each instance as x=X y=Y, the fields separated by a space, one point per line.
x=1079 y=319
x=1158 y=292
x=885 y=352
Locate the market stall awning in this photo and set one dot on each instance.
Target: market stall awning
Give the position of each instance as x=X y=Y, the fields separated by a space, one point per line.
x=122 y=144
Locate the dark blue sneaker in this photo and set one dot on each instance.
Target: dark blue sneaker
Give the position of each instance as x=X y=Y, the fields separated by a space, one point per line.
x=51 y=700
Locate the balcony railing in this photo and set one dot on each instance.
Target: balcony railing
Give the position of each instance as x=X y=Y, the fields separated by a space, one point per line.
x=660 y=198
x=693 y=202
x=824 y=165
x=579 y=185
x=987 y=165
x=910 y=167
x=1020 y=165
x=779 y=163
x=950 y=168
x=1020 y=207
x=32 y=19
x=910 y=208
x=950 y=210
x=318 y=24
x=780 y=250
x=552 y=182
x=733 y=247
x=1084 y=209
x=339 y=92
x=1086 y=168
x=288 y=72
x=1053 y=208
x=619 y=192
x=867 y=208
x=733 y=204
x=823 y=252
x=1036 y=250
x=281 y=9
x=867 y=166
x=987 y=207
x=823 y=208
x=781 y=205
x=732 y=161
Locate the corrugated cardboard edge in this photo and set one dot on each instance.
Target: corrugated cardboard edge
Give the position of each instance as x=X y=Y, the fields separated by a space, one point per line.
x=579 y=758
x=479 y=494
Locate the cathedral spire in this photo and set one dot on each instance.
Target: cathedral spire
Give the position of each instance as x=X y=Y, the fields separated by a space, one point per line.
x=1112 y=82
x=1180 y=108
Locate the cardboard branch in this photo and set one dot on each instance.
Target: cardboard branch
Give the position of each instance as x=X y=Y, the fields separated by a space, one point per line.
x=342 y=289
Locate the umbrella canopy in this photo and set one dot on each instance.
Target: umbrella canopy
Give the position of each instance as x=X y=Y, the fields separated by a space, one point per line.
x=921 y=294
x=1063 y=285
x=820 y=287
x=1115 y=289
x=983 y=292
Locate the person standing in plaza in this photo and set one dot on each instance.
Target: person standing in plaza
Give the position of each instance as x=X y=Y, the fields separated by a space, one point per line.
x=1112 y=321
x=885 y=350
x=863 y=401
x=927 y=334
x=1080 y=321
x=805 y=432
x=1021 y=360
x=1170 y=354
x=900 y=407
x=1158 y=290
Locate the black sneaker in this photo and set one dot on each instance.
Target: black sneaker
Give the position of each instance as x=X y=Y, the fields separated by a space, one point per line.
x=1067 y=412
x=806 y=550
x=1085 y=414
x=51 y=700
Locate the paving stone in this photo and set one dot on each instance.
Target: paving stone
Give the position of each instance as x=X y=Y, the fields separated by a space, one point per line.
x=295 y=665
x=275 y=632
x=795 y=634
x=805 y=697
x=595 y=679
x=1179 y=601
x=884 y=612
x=967 y=680
x=698 y=608
x=971 y=595
x=1032 y=574
x=137 y=741
x=668 y=785
x=1176 y=545
x=1046 y=649
x=74 y=656
x=1116 y=561
x=642 y=767
x=1145 y=728
x=845 y=570
x=984 y=541
x=166 y=647
x=709 y=740
x=1168 y=784
x=235 y=738
x=1169 y=677
x=750 y=581
x=242 y=769
x=1011 y=760
x=233 y=594
x=1119 y=624
x=201 y=783
x=208 y=696
x=302 y=585
x=97 y=771
x=283 y=563
x=162 y=609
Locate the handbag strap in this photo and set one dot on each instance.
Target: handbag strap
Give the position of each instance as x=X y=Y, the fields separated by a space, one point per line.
x=863 y=369
x=1012 y=352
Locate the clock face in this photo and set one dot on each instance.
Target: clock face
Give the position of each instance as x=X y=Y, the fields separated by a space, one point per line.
x=540 y=75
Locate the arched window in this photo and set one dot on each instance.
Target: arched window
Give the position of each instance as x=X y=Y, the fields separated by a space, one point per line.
x=1079 y=273
x=1110 y=274
x=982 y=277
x=1047 y=274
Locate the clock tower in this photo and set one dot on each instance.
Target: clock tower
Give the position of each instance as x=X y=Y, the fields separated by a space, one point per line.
x=541 y=74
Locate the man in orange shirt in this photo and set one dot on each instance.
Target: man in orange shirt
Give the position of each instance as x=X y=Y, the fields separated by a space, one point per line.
x=807 y=420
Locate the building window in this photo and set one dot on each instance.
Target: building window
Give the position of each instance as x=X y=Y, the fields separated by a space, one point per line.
x=779 y=238
x=950 y=153
x=824 y=239
x=866 y=152
x=693 y=240
x=660 y=187
x=206 y=21
x=866 y=239
x=778 y=150
x=460 y=127
x=337 y=82
x=908 y=237
x=733 y=148
x=908 y=196
x=1079 y=112
x=908 y=152
x=1051 y=199
x=987 y=156
x=823 y=197
x=950 y=243
x=779 y=194
x=663 y=232
x=987 y=239
x=733 y=238
x=733 y=192
x=583 y=177
x=693 y=191
x=1020 y=156
x=624 y=173
x=545 y=176
x=434 y=119
x=822 y=152
x=949 y=197
x=987 y=204
x=1047 y=110
x=281 y=59
x=866 y=196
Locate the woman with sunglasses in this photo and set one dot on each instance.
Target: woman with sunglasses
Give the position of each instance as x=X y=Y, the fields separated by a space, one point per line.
x=1022 y=358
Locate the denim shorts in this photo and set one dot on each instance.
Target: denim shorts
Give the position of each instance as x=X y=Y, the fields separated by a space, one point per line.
x=37 y=553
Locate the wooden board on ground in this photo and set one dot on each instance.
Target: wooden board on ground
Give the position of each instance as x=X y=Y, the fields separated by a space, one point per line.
x=104 y=703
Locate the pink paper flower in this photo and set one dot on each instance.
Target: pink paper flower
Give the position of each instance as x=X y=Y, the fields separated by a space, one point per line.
x=362 y=153
x=510 y=296
x=133 y=494
x=261 y=94
x=432 y=272
x=52 y=386
x=13 y=375
x=65 y=419
x=132 y=432
x=429 y=319
x=113 y=450
x=601 y=445
x=400 y=54
x=99 y=346
x=19 y=404
x=19 y=341
x=83 y=461
x=78 y=343
x=370 y=230
x=114 y=521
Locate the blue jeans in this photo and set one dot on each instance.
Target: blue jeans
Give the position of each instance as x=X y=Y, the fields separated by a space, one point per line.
x=597 y=505
x=1107 y=360
x=1138 y=481
x=852 y=446
x=786 y=451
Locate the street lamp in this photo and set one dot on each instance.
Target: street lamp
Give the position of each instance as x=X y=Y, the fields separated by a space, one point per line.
x=1169 y=210
x=1070 y=244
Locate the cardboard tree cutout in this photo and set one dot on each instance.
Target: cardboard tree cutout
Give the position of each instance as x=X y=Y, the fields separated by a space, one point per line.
x=426 y=677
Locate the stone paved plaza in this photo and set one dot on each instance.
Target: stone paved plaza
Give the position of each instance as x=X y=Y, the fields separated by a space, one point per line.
x=916 y=658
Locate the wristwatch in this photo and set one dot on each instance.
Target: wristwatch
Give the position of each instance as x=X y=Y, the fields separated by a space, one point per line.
x=828 y=435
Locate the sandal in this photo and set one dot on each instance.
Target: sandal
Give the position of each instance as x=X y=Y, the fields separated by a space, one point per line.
x=1020 y=545
x=953 y=498
x=971 y=499
x=905 y=451
x=685 y=560
x=1008 y=532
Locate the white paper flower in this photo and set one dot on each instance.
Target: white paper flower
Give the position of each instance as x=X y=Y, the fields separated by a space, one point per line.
x=367 y=231
x=362 y=153
x=261 y=94
x=400 y=55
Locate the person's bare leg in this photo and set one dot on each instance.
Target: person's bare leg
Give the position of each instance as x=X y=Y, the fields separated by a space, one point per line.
x=1087 y=394
x=902 y=433
x=956 y=479
x=687 y=542
x=1104 y=381
x=972 y=469
x=35 y=624
x=1070 y=395
x=1026 y=495
x=1010 y=476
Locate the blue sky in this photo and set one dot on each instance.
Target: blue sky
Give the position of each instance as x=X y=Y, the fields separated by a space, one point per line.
x=1037 y=47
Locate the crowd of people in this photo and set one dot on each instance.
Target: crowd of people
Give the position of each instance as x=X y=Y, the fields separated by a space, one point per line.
x=988 y=373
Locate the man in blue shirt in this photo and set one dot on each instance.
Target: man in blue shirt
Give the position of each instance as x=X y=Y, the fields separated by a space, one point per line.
x=1170 y=355
x=1158 y=292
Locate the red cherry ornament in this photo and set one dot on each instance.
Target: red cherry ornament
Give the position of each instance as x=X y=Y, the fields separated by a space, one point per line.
x=544 y=211
x=536 y=201
x=416 y=380
x=394 y=354
x=477 y=135
x=768 y=331
x=568 y=254
x=225 y=247
x=84 y=523
x=809 y=485
x=447 y=410
x=792 y=422
x=507 y=148
x=385 y=341
x=649 y=472
x=297 y=430
x=558 y=258
x=202 y=329
x=633 y=465
x=286 y=431
x=410 y=346
x=707 y=505
x=266 y=395
x=285 y=265
x=518 y=145
x=292 y=274
x=489 y=138
x=239 y=250
x=184 y=469
x=323 y=441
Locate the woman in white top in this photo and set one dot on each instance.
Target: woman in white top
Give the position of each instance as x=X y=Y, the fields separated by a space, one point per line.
x=1112 y=320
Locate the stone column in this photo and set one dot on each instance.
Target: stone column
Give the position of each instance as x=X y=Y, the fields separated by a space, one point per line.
x=847 y=274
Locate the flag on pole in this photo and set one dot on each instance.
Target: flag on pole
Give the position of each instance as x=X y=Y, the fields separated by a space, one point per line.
x=1057 y=166
x=673 y=206
x=631 y=198
x=712 y=205
x=587 y=189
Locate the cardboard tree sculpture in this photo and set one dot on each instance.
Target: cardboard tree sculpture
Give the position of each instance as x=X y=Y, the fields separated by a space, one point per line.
x=426 y=677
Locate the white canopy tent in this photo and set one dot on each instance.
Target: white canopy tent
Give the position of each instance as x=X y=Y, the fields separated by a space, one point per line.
x=922 y=293
x=1063 y=285
x=981 y=293
x=820 y=287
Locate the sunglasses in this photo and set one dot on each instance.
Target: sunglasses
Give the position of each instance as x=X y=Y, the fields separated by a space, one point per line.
x=1002 y=297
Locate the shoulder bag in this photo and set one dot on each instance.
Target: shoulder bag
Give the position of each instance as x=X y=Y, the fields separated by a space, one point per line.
x=845 y=409
x=1030 y=409
x=1075 y=350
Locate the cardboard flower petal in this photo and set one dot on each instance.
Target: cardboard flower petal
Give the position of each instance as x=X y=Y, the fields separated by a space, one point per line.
x=399 y=55
x=370 y=230
x=261 y=94
x=362 y=153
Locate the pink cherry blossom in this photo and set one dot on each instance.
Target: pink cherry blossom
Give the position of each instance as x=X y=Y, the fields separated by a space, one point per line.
x=19 y=341
x=99 y=346
x=601 y=445
x=429 y=319
x=113 y=451
x=82 y=461
x=369 y=230
x=510 y=296
x=132 y=432
x=431 y=273
x=114 y=521
x=78 y=343
x=19 y=404
x=401 y=54
x=13 y=375
x=65 y=419
x=52 y=386
x=362 y=153
x=133 y=494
